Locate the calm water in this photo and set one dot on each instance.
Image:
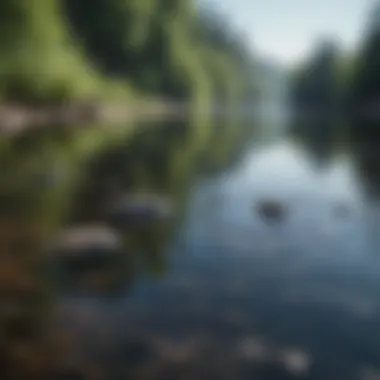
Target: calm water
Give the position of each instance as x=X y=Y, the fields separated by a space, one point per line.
x=232 y=297
x=240 y=298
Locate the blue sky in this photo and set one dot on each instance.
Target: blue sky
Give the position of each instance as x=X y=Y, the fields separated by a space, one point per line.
x=286 y=29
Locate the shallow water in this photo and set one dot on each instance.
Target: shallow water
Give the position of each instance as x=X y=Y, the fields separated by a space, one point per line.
x=240 y=298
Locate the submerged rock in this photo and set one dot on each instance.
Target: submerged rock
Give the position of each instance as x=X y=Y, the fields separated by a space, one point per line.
x=341 y=210
x=271 y=210
x=139 y=209
x=295 y=362
x=87 y=247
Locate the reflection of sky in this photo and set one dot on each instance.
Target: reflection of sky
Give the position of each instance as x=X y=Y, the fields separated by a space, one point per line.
x=284 y=29
x=282 y=172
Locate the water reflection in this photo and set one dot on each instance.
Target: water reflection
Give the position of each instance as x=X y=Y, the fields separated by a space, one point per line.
x=63 y=183
x=212 y=292
x=304 y=307
x=320 y=138
x=365 y=142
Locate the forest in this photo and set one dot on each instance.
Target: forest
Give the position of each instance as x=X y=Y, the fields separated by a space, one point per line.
x=55 y=51
x=333 y=83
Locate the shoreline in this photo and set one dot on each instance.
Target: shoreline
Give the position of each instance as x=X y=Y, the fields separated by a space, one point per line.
x=15 y=119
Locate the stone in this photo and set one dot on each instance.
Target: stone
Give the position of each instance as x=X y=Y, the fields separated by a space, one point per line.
x=88 y=246
x=341 y=210
x=271 y=210
x=140 y=208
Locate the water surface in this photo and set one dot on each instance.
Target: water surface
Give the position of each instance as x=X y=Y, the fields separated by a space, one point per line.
x=238 y=298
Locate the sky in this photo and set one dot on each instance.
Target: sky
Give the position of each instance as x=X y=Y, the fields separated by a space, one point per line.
x=286 y=29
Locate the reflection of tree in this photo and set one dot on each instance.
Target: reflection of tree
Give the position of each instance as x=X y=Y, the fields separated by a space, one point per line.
x=320 y=145
x=159 y=159
x=365 y=144
x=163 y=160
x=366 y=147
x=30 y=194
x=38 y=172
x=51 y=180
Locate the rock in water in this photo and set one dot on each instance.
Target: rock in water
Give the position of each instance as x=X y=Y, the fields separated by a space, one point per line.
x=137 y=209
x=271 y=210
x=87 y=247
x=341 y=210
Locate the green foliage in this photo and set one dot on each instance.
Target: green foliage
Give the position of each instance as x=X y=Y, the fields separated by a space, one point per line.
x=59 y=50
x=38 y=62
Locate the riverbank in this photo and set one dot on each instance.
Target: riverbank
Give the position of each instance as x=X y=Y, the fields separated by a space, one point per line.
x=15 y=119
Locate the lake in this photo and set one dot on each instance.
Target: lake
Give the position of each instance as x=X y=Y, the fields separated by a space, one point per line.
x=221 y=292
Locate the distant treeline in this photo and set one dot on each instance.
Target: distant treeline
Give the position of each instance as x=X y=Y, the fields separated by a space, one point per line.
x=331 y=82
x=54 y=51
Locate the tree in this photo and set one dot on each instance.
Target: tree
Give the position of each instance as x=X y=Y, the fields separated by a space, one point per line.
x=366 y=81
